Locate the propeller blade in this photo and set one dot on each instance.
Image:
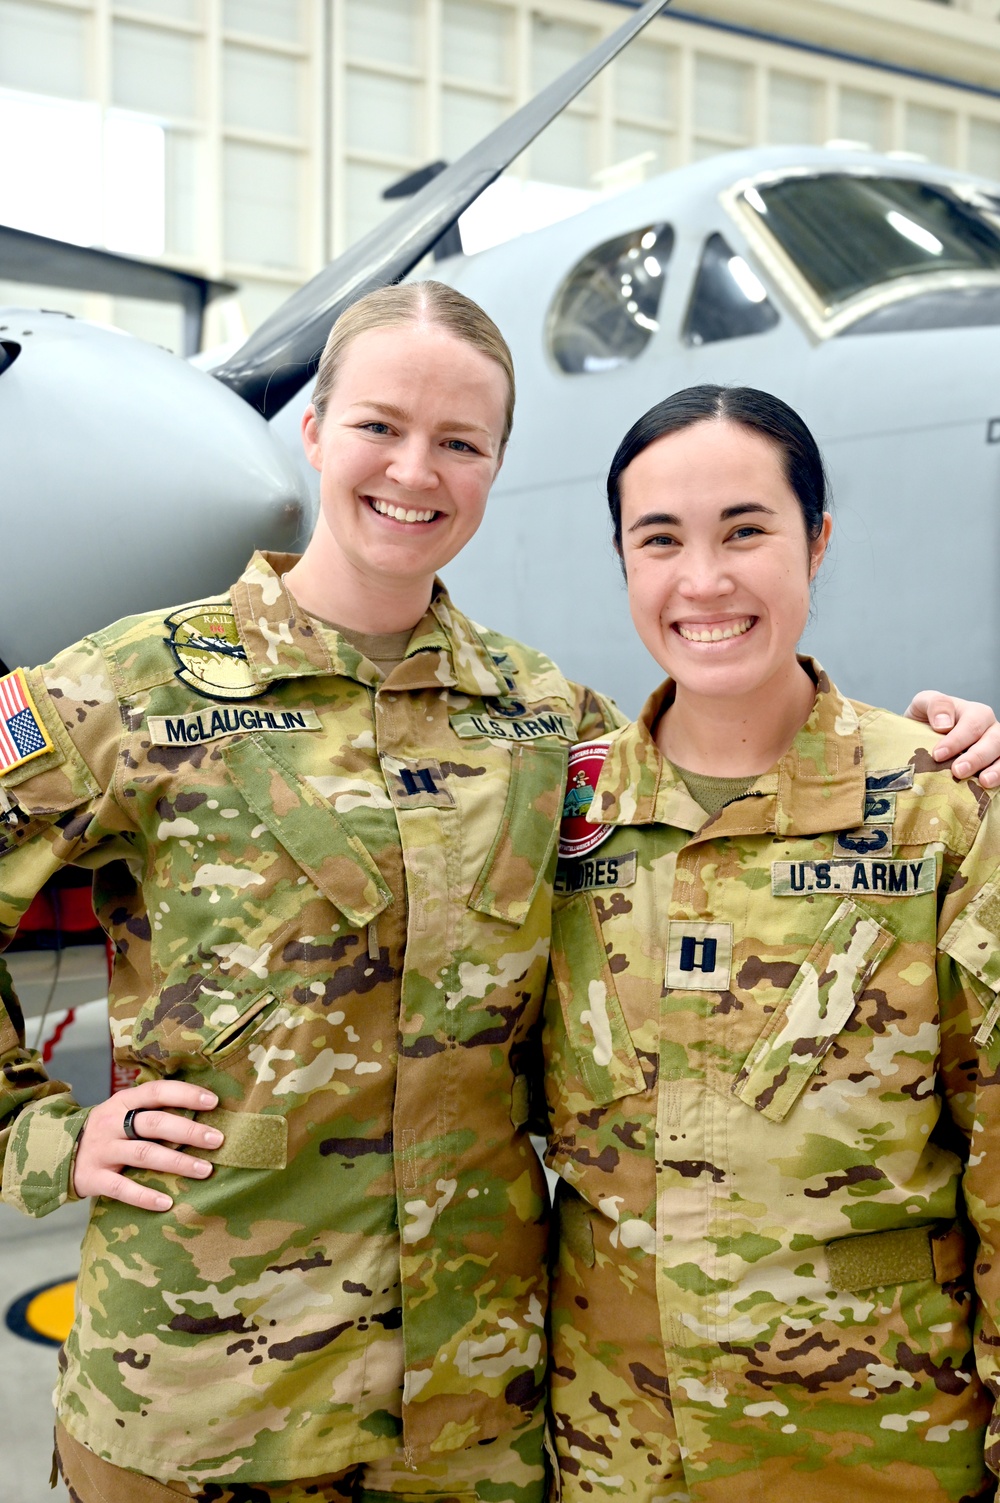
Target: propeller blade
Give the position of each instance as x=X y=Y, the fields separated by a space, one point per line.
x=283 y=354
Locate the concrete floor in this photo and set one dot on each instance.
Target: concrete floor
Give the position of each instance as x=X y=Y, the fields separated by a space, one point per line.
x=33 y=1253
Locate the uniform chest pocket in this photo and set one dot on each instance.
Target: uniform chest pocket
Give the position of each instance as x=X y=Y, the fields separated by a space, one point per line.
x=525 y=842
x=812 y=1012
x=592 y=1015
x=313 y=834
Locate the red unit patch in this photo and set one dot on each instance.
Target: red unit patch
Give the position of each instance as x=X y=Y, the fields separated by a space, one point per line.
x=577 y=836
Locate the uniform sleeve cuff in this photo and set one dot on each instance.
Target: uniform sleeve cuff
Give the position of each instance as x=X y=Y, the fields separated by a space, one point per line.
x=41 y=1152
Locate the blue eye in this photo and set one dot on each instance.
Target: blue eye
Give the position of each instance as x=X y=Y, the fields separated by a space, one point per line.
x=459 y=446
x=376 y=427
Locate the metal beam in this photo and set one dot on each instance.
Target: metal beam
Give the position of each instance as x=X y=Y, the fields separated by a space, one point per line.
x=25 y=257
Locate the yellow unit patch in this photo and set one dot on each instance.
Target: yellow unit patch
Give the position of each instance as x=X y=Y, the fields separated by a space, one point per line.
x=23 y=735
x=210 y=656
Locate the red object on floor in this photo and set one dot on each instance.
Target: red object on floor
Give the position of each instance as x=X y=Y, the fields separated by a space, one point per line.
x=60 y=1029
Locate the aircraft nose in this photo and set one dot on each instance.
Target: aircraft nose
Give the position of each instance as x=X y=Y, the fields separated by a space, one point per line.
x=131 y=482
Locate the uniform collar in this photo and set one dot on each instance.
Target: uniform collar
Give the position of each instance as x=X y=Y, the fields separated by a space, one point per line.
x=819 y=784
x=445 y=651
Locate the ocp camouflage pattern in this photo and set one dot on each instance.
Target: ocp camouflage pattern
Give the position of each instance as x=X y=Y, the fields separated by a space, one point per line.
x=774 y=1086
x=331 y=907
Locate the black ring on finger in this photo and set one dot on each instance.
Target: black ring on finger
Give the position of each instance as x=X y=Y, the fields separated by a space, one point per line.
x=128 y=1121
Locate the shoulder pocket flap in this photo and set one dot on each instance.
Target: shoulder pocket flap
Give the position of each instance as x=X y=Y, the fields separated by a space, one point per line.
x=974 y=938
x=311 y=832
x=525 y=842
x=592 y=1015
x=812 y=1012
x=252 y=1140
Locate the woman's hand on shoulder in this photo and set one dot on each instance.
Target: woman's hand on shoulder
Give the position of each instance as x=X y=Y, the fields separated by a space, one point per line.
x=970 y=733
x=105 y=1148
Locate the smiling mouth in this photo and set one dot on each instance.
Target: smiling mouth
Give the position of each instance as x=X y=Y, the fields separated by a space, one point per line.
x=400 y=513
x=716 y=632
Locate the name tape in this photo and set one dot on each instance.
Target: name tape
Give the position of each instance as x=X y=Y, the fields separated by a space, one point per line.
x=602 y=872
x=901 y=879
x=209 y=725
x=527 y=729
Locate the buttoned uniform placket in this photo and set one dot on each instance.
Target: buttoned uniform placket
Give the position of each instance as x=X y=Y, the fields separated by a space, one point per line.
x=474 y=862
x=412 y=736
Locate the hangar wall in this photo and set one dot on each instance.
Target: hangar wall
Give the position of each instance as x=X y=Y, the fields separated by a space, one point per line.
x=271 y=127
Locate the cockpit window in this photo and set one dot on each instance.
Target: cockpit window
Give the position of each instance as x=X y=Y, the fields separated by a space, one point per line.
x=729 y=299
x=848 y=233
x=606 y=311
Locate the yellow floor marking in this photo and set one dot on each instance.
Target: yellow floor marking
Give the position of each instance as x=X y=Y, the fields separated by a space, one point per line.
x=51 y=1312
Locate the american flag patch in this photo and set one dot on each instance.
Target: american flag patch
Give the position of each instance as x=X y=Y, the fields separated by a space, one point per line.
x=22 y=730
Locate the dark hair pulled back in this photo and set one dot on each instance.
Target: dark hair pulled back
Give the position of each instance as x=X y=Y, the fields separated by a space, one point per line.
x=755 y=410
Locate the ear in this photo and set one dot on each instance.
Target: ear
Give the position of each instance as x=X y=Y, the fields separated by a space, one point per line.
x=311 y=437
x=817 y=550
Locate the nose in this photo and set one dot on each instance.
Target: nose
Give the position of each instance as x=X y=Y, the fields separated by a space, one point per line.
x=705 y=574
x=412 y=465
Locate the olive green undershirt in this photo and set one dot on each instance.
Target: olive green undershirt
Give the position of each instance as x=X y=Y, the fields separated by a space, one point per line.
x=385 y=650
x=712 y=794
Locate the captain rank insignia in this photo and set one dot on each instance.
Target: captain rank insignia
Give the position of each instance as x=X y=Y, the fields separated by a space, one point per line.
x=417 y=785
x=699 y=956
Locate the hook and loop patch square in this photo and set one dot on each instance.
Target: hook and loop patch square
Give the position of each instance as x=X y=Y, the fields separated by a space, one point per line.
x=699 y=956
x=22 y=729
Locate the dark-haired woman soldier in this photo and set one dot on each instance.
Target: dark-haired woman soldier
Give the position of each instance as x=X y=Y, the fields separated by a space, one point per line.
x=772 y=1034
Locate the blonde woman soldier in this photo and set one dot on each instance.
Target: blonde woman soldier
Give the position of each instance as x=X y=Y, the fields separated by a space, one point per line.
x=321 y=810
x=772 y=1034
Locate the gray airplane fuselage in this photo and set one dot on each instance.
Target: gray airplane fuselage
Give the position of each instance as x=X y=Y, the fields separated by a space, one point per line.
x=130 y=481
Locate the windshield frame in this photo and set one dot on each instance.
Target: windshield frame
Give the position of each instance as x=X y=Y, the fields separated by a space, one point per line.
x=822 y=320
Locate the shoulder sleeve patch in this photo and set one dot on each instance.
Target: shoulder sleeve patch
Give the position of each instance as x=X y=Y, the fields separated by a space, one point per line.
x=577 y=836
x=23 y=733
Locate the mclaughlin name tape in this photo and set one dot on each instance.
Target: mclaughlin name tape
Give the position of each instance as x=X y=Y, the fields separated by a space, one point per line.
x=901 y=879
x=209 y=725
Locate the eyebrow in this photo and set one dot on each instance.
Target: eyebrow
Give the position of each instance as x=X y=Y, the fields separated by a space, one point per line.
x=388 y=409
x=667 y=519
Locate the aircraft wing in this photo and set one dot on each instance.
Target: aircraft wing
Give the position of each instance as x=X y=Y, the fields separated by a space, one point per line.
x=282 y=355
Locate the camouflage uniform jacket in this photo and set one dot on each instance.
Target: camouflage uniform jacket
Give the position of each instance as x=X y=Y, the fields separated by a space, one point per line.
x=773 y=1061
x=330 y=897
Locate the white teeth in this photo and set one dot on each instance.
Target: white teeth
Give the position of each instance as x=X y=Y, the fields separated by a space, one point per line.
x=400 y=514
x=716 y=633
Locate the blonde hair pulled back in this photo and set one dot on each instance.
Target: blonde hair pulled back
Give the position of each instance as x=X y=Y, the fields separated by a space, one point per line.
x=415 y=303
